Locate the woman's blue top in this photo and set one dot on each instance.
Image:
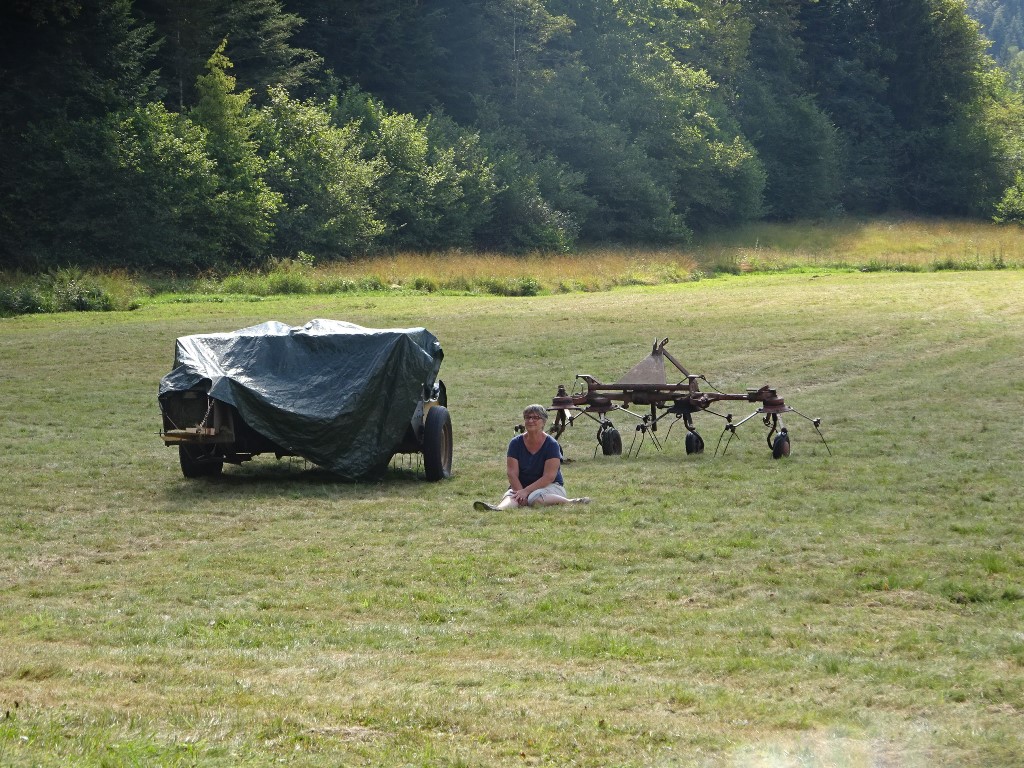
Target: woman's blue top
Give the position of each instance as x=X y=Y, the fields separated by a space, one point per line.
x=531 y=465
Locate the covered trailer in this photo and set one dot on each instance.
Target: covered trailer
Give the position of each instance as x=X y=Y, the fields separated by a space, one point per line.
x=342 y=396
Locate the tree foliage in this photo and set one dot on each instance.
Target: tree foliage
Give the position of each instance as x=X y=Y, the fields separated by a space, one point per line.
x=1003 y=24
x=244 y=204
x=326 y=184
x=184 y=135
x=259 y=35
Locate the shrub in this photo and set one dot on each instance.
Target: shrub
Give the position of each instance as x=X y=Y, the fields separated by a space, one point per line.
x=1011 y=207
x=22 y=300
x=511 y=286
x=371 y=283
x=337 y=285
x=426 y=284
x=73 y=290
x=458 y=283
x=288 y=282
x=290 y=276
x=244 y=283
x=70 y=290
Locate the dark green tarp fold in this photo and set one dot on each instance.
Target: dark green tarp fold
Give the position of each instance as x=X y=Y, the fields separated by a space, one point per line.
x=338 y=394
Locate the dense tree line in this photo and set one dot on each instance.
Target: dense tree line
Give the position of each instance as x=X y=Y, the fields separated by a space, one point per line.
x=1002 y=22
x=186 y=134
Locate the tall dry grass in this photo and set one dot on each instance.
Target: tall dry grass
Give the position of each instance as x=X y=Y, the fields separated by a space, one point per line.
x=904 y=244
x=590 y=270
x=872 y=245
x=900 y=245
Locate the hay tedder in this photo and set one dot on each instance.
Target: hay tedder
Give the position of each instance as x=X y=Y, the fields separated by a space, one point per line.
x=646 y=386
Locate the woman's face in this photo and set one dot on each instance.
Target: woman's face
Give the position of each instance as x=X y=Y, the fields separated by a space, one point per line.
x=534 y=422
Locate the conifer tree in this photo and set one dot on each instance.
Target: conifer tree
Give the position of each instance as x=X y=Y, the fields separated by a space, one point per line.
x=65 y=66
x=259 y=34
x=245 y=204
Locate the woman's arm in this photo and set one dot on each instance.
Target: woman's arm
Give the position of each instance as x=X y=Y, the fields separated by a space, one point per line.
x=512 y=468
x=551 y=467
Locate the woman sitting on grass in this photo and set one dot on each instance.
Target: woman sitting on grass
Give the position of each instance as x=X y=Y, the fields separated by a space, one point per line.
x=534 y=466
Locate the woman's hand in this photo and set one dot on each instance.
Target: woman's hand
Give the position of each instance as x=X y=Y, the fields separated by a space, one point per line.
x=521 y=496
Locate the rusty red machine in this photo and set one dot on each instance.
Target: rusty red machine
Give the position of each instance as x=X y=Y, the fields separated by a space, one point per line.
x=646 y=385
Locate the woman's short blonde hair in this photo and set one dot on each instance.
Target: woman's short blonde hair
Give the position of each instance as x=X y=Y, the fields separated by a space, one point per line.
x=536 y=410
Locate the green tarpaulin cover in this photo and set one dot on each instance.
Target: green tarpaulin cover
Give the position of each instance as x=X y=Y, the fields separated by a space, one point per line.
x=332 y=392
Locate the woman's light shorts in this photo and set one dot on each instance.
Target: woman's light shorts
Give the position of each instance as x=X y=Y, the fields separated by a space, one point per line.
x=555 y=489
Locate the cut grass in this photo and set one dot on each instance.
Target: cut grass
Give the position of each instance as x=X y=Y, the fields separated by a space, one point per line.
x=856 y=609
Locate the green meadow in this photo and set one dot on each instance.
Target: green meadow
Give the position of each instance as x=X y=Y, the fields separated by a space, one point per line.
x=863 y=607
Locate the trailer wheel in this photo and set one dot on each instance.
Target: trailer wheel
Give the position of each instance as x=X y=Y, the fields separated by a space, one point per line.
x=694 y=443
x=611 y=441
x=197 y=461
x=437 y=444
x=780 y=446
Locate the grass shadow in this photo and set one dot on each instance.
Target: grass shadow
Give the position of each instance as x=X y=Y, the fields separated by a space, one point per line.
x=296 y=478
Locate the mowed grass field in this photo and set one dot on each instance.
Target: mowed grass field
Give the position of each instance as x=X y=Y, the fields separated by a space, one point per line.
x=864 y=608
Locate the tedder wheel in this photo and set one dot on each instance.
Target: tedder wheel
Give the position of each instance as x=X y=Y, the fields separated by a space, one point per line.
x=780 y=446
x=694 y=443
x=611 y=441
x=197 y=461
x=437 y=444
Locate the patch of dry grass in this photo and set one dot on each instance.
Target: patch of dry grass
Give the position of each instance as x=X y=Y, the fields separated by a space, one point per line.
x=597 y=269
x=905 y=244
x=910 y=244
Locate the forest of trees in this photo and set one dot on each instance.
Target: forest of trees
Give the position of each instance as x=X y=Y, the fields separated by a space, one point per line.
x=1002 y=23
x=189 y=134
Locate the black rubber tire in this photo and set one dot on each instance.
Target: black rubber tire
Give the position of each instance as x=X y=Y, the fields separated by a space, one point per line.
x=694 y=443
x=611 y=442
x=780 y=446
x=437 y=444
x=195 y=462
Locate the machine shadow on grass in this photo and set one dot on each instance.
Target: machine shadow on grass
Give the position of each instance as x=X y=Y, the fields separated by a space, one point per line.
x=268 y=479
